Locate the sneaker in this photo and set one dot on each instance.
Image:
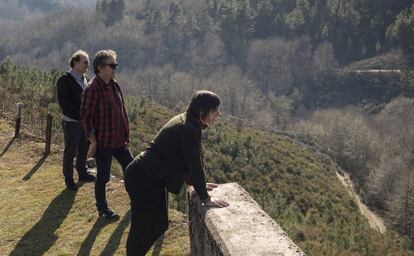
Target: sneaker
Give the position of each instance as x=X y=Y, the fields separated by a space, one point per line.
x=108 y=214
x=87 y=178
x=70 y=184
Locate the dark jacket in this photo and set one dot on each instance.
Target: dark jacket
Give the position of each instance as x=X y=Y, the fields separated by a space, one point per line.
x=69 y=95
x=175 y=154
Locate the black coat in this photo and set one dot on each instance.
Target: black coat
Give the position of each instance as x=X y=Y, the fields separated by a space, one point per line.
x=175 y=155
x=69 y=96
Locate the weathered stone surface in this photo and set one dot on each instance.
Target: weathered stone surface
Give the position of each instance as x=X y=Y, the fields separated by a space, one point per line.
x=242 y=229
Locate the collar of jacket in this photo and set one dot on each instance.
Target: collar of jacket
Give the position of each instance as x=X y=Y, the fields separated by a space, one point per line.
x=73 y=74
x=67 y=74
x=102 y=82
x=192 y=118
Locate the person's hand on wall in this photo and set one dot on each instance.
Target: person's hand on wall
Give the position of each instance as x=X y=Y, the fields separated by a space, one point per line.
x=211 y=186
x=215 y=203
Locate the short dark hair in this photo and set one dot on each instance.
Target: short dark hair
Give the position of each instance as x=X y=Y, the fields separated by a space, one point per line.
x=202 y=103
x=76 y=57
x=101 y=57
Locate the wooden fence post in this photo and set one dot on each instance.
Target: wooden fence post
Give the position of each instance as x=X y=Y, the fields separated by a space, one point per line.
x=48 y=134
x=18 y=119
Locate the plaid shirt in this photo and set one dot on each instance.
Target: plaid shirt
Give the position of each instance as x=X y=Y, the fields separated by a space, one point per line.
x=97 y=114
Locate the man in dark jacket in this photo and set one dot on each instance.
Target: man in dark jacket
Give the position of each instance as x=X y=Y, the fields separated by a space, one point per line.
x=70 y=87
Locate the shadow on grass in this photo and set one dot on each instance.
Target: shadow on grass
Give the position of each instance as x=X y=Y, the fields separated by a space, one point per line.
x=35 y=168
x=7 y=146
x=41 y=236
x=115 y=239
x=87 y=244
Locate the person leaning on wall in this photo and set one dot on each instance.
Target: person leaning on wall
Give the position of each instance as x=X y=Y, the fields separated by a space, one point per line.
x=175 y=156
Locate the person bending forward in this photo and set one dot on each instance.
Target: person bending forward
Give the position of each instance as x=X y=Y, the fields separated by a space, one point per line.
x=174 y=157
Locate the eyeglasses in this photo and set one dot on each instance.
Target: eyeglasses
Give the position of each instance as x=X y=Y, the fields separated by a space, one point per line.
x=112 y=65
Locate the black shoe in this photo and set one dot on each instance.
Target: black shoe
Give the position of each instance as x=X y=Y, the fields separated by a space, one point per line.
x=87 y=177
x=70 y=184
x=108 y=214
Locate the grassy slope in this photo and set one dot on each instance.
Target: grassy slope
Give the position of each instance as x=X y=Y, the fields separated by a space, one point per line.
x=39 y=216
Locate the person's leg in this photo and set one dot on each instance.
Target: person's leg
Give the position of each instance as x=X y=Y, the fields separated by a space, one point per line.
x=82 y=152
x=69 y=151
x=158 y=220
x=134 y=178
x=103 y=169
x=124 y=157
x=142 y=230
x=160 y=225
x=134 y=241
x=149 y=217
x=81 y=166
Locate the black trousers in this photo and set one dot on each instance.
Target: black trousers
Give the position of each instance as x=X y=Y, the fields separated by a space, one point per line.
x=75 y=145
x=149 y=209
x=103 y=159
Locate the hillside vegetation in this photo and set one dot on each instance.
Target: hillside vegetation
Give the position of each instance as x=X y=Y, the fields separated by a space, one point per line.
x=297 y=187
x=300 y=66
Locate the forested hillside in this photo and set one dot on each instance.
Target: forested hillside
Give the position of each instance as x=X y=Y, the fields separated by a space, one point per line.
x=30 y=6
x=285 y=55
x=338 y=74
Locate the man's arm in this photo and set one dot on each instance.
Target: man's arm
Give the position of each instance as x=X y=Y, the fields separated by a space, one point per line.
x=124 y=110
x=88 y=106
x=89 y=101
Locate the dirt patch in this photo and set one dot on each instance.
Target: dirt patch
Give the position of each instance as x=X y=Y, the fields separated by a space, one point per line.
x=374 y=220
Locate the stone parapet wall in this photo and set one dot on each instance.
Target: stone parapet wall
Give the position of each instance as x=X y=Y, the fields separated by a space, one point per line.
x=242 y=229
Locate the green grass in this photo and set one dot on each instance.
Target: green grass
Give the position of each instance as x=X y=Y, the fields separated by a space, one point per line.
x=38 y=216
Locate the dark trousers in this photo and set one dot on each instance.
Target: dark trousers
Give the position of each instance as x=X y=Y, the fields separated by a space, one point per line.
x=149 y=209
x=103 y=159
x=75 y=145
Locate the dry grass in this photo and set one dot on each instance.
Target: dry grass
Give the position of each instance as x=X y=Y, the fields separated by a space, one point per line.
x=39 y=217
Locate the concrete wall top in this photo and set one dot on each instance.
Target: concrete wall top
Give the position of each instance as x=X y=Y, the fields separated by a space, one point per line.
x=244 y=228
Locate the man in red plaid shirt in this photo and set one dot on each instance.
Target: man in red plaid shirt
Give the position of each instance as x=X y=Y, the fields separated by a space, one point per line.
x=105 y=121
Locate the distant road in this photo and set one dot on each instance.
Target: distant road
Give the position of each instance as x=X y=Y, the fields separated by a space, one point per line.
x=374 y=220
x=396 y=71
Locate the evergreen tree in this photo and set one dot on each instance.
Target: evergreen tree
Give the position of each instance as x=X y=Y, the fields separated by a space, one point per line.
x=116 y=11
x=110 y=11
x=403 y=31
